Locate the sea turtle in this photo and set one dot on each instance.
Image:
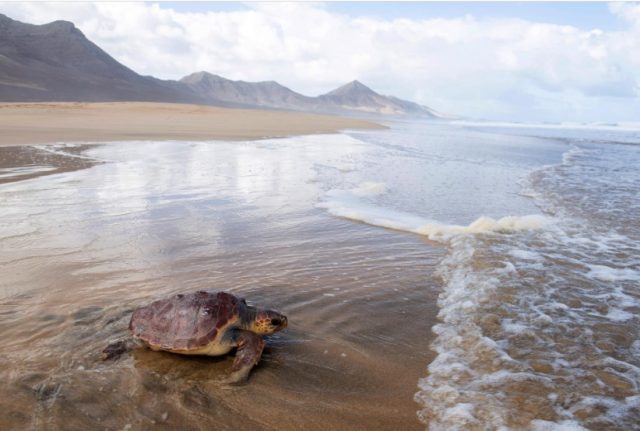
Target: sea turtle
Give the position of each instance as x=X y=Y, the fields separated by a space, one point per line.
x=206 y=323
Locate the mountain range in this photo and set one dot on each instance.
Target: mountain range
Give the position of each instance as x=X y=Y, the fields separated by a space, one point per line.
x=56 y=62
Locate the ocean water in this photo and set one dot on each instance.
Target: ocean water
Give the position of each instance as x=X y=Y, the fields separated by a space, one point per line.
x=539 y=310
x=449 y=276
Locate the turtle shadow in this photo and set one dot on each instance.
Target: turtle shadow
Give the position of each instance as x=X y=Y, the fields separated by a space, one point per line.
x=161 y=360
x=182 y=368
x=184 y=374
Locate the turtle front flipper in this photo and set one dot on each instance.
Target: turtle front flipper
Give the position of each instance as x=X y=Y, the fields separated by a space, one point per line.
x=250 y=347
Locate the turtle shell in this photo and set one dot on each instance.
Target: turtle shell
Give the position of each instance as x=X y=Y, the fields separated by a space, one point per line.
x=186 y=322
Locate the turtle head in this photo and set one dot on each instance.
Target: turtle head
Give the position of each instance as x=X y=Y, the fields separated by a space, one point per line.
x=267 y=322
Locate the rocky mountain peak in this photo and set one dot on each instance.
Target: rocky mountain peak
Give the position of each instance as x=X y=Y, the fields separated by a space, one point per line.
x=353 y=88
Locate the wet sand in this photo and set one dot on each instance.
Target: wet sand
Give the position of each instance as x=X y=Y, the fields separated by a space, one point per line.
x=19 y=163
x=343 y=366
x=83 y=248
x=38 y=123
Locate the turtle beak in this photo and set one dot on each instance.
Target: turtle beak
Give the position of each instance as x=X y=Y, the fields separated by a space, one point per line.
x=280 y=323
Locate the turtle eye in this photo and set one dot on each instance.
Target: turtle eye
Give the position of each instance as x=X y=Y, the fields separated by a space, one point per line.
x=276 y=322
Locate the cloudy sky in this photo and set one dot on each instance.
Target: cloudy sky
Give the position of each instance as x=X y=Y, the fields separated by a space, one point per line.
x=501 y=61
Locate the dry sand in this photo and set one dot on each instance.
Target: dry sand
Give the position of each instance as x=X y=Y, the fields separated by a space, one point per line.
x=38 y=123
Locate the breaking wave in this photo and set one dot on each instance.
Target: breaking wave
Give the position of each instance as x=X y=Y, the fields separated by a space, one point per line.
x=539 y=326
x=351 y=204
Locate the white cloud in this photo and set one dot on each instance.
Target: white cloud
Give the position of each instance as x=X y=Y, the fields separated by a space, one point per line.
x=627 y=11
x=499 y=69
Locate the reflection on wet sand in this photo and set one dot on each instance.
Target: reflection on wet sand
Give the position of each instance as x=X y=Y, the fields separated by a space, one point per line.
x=82 y=249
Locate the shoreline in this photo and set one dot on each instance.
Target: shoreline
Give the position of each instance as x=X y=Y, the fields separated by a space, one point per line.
x=58 y=122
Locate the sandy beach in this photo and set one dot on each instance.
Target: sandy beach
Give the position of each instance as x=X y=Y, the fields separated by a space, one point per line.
x=332 y=368
x=39 y=123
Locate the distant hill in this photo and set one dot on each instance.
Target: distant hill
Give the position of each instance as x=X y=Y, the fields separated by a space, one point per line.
x=358 y=97
x=265 y=94
x=351 y=97
x=56 y=62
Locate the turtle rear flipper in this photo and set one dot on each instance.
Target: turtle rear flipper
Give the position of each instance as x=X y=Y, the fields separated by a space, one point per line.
x=115 y=349
x=250 y=347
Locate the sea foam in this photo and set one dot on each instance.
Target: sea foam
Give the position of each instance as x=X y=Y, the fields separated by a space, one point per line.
x=606 y=273
x=537 y=313
x=352 y=204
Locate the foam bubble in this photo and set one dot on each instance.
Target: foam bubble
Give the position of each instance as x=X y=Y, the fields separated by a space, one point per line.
x=435 y=230
x=569 y=156
x=635 y=348
x=510 y=326
x=461 y=413
x=540 y=425
x=525 y=255
x=370 y=188
x=618 y=315
x=606 y=273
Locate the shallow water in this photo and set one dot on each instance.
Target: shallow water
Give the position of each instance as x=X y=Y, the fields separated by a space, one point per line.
x=81 y=249
x=518 y=244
